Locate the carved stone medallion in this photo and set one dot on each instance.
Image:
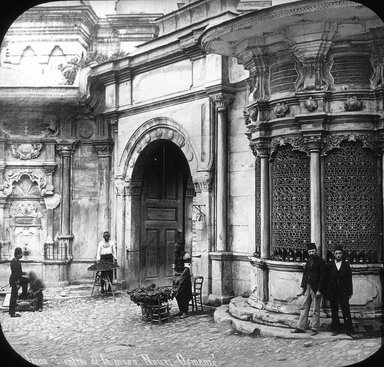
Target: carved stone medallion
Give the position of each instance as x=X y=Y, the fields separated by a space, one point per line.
x=310 y=104
x=353 y=104
x=26 y=151
x=281 y=109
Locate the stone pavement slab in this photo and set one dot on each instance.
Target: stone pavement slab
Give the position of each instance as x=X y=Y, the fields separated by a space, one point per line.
x=98 y=331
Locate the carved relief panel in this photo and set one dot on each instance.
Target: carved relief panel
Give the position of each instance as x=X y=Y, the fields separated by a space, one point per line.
x=26 y=224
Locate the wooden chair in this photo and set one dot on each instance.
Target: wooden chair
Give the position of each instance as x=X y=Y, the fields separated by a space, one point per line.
x=197 y=296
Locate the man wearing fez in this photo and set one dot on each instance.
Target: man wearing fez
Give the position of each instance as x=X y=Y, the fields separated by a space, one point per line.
x=339 y=290
x=313 y=284
x=16 y=280
x=182 y=285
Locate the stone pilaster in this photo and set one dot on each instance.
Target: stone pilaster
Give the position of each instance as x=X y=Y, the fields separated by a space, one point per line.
x=204 y=202
x=121 y=190
x=104 y=153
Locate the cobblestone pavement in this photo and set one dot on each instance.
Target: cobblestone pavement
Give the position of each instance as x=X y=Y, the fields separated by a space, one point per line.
x=98 y=331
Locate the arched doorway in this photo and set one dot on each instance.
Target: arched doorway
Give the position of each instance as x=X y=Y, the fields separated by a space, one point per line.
x=164 y=207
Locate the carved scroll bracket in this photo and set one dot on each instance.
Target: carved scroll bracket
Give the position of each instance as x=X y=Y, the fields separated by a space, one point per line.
x=258 y=81
x=314 y=74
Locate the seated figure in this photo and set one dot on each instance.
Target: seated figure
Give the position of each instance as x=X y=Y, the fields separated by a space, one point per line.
x=36 y=287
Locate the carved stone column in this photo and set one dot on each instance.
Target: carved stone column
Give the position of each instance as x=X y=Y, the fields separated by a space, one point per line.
x=262 y=294
x=222 y=101
x=104 y=152
x=314 y=143
x=222 y=259
x=66 y=150
x=263 y=152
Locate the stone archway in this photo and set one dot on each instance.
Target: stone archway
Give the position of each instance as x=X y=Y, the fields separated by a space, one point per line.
x=152 y=130
x=156 y=132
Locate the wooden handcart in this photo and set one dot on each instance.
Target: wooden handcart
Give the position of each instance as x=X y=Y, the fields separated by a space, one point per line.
x=99 y=268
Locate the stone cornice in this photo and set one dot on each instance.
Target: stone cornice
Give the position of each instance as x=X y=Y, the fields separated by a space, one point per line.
x=269 y=19
x=84 y=17
x=129 y=110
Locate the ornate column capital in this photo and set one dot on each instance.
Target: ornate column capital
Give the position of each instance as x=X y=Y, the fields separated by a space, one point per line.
x=222 y=101
x=203 y=181
x=122 y=186
x=103 y=148
x=66 y=147
x=314 y=141
x=261 y=148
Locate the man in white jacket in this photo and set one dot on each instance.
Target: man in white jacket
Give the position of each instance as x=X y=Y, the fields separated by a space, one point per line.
x=106 y=252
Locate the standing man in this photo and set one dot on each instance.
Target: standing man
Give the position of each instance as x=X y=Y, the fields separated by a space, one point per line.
x=313 y=284
x=339 y=290
x=182 y=285
x=15 y=281
x=106 y=252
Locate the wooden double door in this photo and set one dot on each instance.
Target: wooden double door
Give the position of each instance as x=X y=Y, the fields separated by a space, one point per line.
x=163 y=211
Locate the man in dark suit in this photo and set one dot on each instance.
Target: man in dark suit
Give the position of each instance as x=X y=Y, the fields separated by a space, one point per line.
x=313 y=284
x=339 y=290
x=16 y=280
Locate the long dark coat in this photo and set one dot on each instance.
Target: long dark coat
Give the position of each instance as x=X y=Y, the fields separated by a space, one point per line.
x=16 y=272
x=315 y=275
x=339 y=284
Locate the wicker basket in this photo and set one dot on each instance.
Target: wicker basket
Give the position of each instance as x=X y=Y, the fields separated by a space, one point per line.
x=155 y=313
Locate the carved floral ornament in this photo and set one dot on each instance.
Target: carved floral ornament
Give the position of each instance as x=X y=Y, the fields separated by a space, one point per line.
x=353 y=104
x=26 y=151
x=11 y=177
x=334 y=141
x=26 y=213
x=297 y=143
x=281 y=109
x=310 y=104
x=306 y=143
x=222 y=101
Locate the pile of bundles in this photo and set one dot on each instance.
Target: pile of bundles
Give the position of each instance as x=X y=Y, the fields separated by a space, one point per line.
x=103 y=266
x=151 y=295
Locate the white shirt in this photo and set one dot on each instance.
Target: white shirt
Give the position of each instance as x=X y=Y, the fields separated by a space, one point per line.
x=338 y=264
x=105 y=248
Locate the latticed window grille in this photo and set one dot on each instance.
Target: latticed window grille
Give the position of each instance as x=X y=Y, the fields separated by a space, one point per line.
x=351 y=205
x=258 y=207
x=291 y=226
x=55 y=251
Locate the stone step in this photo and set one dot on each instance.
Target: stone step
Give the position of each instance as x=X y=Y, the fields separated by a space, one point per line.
x=223 y=317
x=239 y=309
